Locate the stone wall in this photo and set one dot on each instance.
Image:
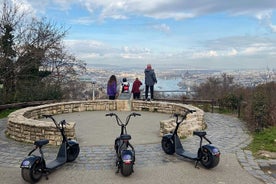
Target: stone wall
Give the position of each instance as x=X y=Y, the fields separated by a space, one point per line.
x=193 y=122
x=26 y=124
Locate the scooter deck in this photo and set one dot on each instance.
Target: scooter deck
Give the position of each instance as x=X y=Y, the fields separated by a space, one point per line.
x=186 y=154
x=55 y=163
x=60 y=159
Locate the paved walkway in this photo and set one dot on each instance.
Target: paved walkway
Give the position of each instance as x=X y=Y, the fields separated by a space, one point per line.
x=95 y=162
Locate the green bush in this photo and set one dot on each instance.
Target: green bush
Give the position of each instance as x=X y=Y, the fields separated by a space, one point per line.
x=6 y=112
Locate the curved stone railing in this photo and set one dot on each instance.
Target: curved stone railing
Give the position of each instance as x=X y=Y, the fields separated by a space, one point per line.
x=25 y=124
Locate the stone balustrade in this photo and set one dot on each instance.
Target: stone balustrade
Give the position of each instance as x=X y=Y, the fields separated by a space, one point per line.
x=26 y=124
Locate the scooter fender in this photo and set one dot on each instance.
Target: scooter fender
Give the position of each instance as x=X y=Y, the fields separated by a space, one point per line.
x=29 y=161
x=127 y=156
x=72 y=142
x=214 y=150
x=168 y=136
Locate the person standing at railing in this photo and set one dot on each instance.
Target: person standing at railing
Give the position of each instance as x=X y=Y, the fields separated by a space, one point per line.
x=136 y=88
x=150 y=80
x=112 y=87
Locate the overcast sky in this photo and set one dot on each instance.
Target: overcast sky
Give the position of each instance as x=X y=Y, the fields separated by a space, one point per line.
x=209 y=34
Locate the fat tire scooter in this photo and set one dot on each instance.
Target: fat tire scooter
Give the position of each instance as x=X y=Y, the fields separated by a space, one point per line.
x=208 y=155
x=125 y=152
x=34 y=166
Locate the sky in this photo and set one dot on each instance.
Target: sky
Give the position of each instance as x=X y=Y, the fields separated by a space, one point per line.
x=181 y=34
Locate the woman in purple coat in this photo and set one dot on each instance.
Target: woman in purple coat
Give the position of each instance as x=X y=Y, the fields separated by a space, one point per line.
x=112 y=87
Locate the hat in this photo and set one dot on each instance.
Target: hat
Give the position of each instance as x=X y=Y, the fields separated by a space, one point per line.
x=148 y=66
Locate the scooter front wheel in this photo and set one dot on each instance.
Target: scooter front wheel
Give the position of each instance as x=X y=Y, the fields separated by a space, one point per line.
x=73 y=152
x=168 y=145
x=33 y=174
x=208 y=160
x=126 y=169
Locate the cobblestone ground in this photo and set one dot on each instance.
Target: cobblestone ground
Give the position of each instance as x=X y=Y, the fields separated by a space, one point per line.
x=227 y=133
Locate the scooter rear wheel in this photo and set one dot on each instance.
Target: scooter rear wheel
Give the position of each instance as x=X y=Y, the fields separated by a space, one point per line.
x=208 y=160
x=73 y=152
x=168 y=145
x=126 y=169
x=33 y=174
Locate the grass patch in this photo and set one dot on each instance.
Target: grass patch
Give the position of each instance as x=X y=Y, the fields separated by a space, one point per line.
x=6 y=112
x=264 y=140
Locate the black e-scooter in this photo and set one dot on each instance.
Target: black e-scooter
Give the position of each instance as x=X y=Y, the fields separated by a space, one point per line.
x=34 y=166
x=208 y=155
x=125 y=156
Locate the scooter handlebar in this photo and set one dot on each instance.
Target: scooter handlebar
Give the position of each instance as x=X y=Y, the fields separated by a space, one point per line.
x=186 y=112
x=192 y=110
x=135 y=114
x=47 y=116
x=109 y=114
x=119 y=122
x=62 y=122
x=184 y=115
x=132 y=114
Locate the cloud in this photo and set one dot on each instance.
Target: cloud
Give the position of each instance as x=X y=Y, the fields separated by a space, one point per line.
x=91 y=46
x=205 y=54
x=160 y=9
x=232 y=52
x=134 y=53
x=162 y=27
x=265 y=19
x=83 y=21
x=95 y=49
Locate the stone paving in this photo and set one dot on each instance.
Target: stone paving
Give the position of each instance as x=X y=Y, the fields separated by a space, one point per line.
x=227 y=133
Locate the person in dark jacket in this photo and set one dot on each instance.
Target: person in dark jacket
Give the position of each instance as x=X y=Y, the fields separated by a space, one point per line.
x=112 y=87
x=150 y=80
x=136 y=88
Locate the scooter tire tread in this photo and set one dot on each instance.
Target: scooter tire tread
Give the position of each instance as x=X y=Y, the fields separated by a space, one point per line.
x=212 y=160
x=73 y=153
x=27 y=174
x=168 y=146
x=126 y=169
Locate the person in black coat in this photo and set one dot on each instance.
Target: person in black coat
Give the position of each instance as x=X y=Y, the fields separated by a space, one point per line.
x=150 y=80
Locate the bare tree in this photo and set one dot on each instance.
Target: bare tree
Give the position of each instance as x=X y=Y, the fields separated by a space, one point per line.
x=33 y=56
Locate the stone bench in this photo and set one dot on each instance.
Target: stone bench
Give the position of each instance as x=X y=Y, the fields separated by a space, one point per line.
x=26 y=124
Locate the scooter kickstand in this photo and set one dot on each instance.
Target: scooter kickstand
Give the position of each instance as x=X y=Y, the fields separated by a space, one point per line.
x=46 y=173
x=46 y=176
x=117 y=165
x=196 y=165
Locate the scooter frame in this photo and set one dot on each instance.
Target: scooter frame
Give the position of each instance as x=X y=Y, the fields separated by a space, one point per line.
x=34 y=166
x=208 y=155
x=125 y=156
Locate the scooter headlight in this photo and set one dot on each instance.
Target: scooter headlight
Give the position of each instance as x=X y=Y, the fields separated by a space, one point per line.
x=126 y=157
x=216 y=152
x=25 y=163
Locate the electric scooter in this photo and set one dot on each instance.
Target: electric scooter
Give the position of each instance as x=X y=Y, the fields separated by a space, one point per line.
x=125 y=152
x=208 y=155
x=34 y=166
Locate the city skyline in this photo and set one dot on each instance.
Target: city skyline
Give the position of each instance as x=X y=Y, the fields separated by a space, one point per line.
x=196 y=34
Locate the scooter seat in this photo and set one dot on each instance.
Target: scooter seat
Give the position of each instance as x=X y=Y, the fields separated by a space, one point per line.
x=42 y=142
x=125 y=137
x=200 y=133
